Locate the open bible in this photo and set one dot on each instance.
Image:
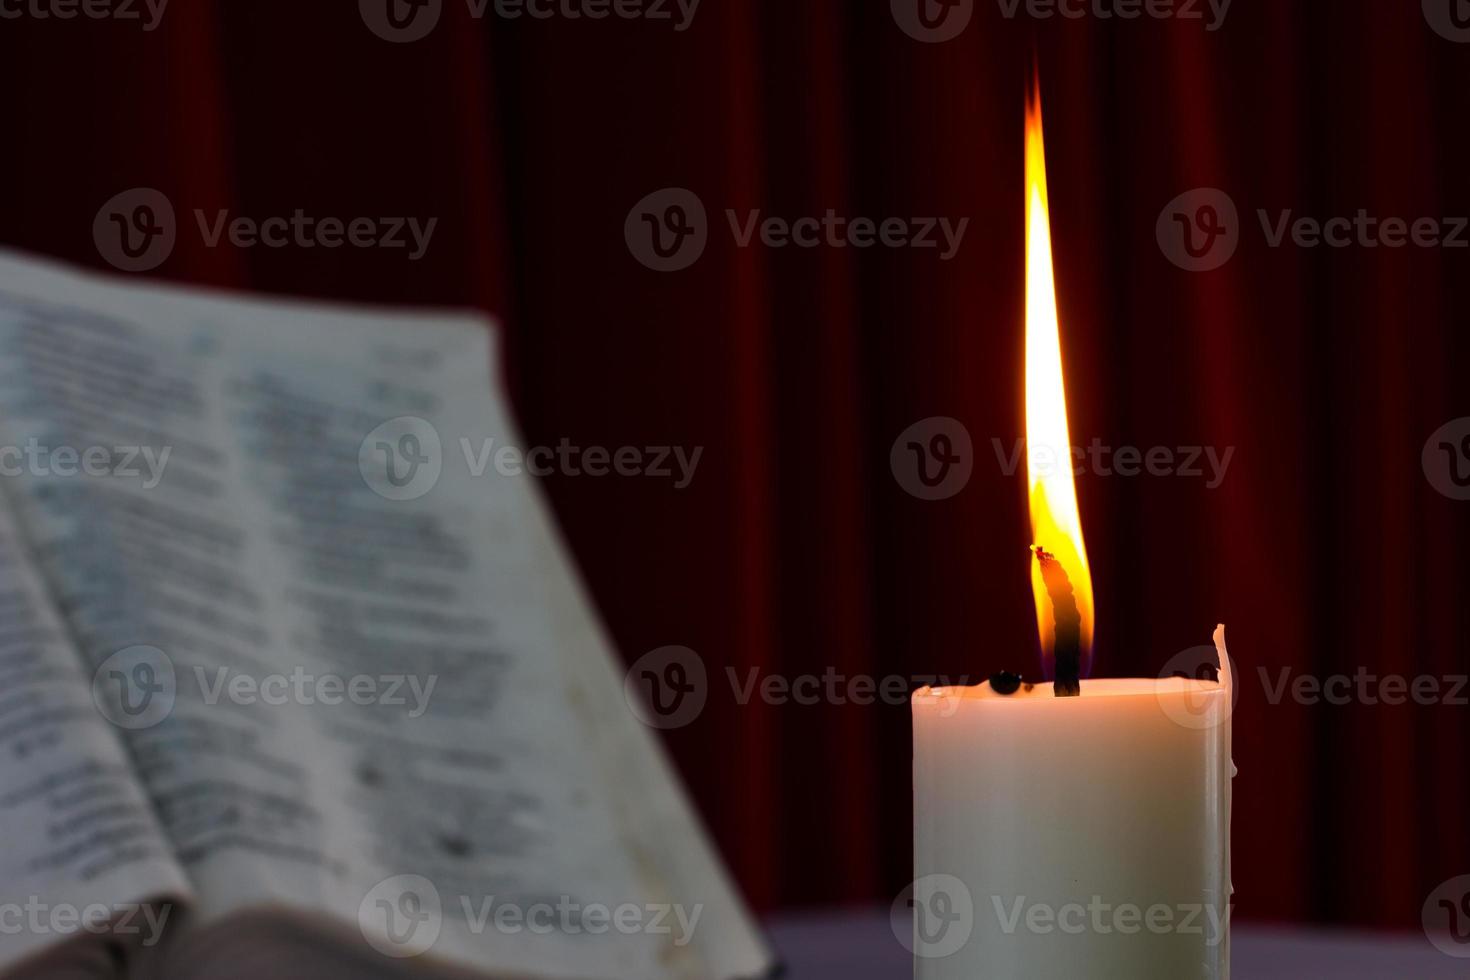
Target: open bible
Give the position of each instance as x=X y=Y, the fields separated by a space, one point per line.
x=291 y=687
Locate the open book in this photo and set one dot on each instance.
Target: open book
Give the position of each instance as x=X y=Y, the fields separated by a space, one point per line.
x=287 y=687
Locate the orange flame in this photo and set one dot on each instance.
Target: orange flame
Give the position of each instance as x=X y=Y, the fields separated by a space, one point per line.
x=1055 y=523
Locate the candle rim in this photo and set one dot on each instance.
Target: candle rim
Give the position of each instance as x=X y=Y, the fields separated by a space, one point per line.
x=1094 y=688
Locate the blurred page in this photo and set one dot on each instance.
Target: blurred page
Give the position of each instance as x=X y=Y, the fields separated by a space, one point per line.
x=387 y=700
x=81 y=850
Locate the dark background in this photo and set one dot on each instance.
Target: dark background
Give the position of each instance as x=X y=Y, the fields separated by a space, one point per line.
x=1326 y=549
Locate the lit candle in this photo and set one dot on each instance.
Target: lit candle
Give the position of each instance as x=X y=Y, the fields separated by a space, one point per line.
x=1078 y=829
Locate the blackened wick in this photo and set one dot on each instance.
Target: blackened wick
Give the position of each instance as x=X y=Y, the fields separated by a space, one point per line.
x=1068 y=648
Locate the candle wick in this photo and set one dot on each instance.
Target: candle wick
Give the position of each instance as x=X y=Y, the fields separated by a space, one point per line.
x=1067 y=646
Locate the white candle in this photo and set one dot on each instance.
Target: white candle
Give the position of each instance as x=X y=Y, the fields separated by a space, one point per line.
x=1079 y=830
x=1085 y=838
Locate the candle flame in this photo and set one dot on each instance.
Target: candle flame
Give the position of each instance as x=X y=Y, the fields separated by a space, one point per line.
x=1055 y=523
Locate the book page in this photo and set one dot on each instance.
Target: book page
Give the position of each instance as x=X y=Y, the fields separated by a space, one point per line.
x=82 y=856
x=388 y=701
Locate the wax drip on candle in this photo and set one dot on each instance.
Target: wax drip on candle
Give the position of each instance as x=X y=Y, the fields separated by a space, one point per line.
x=1068 y=625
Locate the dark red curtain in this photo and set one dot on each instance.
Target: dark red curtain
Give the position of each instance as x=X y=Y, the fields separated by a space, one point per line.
x=795 y=551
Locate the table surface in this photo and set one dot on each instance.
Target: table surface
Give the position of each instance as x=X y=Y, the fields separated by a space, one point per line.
x=861 y=946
